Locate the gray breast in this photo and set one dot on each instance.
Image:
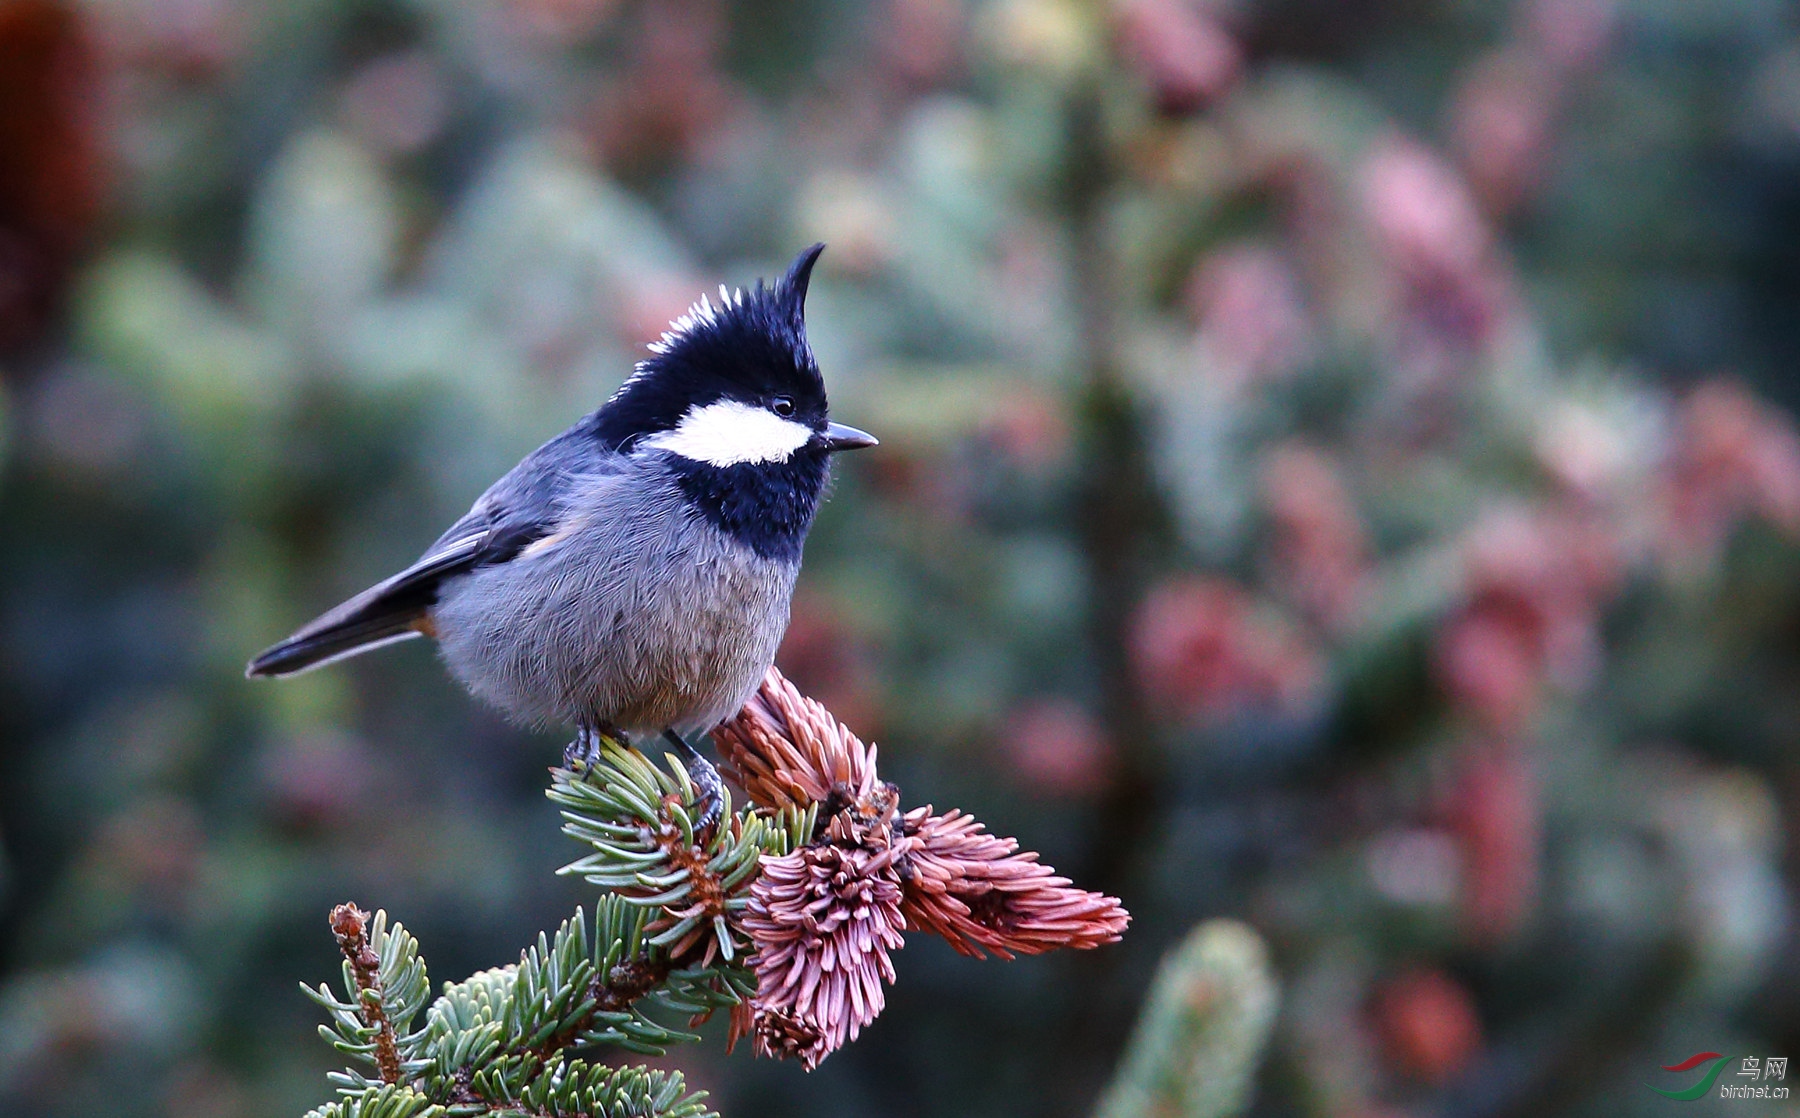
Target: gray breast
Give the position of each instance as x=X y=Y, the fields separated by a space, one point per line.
x=635 y=613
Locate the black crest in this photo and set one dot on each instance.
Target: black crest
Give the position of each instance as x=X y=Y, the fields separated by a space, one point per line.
x=749 y=346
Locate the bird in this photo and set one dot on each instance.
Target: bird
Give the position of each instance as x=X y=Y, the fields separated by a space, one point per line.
x=632 y=576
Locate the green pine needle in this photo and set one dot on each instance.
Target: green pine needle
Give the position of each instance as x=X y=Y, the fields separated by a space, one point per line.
x=502 y=1042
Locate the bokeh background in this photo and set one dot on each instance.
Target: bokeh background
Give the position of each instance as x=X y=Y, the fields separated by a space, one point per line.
x=1335 y=472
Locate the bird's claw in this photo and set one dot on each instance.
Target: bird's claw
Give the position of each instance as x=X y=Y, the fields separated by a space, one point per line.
x=582 y=753
x=712 y=795
x=707 y=784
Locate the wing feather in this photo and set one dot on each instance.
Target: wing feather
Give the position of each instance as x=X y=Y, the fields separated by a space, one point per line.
x=522 y=507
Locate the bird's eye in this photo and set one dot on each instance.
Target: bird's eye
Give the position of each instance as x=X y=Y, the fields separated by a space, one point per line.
x=782 y=406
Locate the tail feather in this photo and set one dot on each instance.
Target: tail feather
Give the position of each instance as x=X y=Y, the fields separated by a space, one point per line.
x=382 y=614
x=392 y=610
x=305 y=651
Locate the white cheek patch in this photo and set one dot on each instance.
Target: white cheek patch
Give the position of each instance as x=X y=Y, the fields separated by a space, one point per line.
x=729 y=433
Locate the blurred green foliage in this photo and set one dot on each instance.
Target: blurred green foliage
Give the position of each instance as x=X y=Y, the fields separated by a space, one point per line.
x=1199 y=1040
x=1313 y=489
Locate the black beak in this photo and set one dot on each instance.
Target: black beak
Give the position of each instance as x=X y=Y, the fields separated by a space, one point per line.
x=839 y=437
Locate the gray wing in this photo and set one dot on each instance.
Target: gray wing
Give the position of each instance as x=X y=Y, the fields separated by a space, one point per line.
x=520 y=508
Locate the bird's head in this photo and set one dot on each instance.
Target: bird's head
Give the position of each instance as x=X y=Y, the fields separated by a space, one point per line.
x=732 y=383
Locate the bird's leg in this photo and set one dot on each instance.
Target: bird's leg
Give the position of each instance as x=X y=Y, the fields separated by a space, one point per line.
x=577 y=752
x=706 y=781
x=585 y=749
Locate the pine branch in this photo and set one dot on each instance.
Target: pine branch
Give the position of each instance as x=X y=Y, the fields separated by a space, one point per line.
x=560 y=1088
x=386 y=986
x=386 y=1101
x=640 y=820
x=786 y=914
x=496 y=1041
x=350 y=924
x=576 y=991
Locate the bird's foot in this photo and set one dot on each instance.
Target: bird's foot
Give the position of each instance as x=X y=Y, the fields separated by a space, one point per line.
x=583 y=753
x=706 y=782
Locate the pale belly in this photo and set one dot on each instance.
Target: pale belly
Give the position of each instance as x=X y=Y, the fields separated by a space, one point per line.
x=672 y=637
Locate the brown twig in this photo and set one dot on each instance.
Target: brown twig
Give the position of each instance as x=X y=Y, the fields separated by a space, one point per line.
x=706 y=895
x=351 y=927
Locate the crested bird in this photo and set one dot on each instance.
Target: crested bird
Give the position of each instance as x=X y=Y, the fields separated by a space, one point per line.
x=633 y=575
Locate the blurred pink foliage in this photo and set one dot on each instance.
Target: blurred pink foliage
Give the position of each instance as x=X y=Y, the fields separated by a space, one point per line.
x=922 y=40
x=1206 y=649
x=1495 y=813
x=1533 y=588
x=1501 y=124
x=674 y=99
x=1451 y=291
x=1057 y=747
x=1732 y=456
x=1572 y=34
x=1030 y=428
x=1319 y=551
x=1503 y=119
x=1246 y=302
x=560 y=22
x=1428 y=1025
x=399 y=102
x=53 y=179
x=824 y=656
x=1180 y=49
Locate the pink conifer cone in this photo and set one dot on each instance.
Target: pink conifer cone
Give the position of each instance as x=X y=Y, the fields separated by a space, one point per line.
x=825 y=918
